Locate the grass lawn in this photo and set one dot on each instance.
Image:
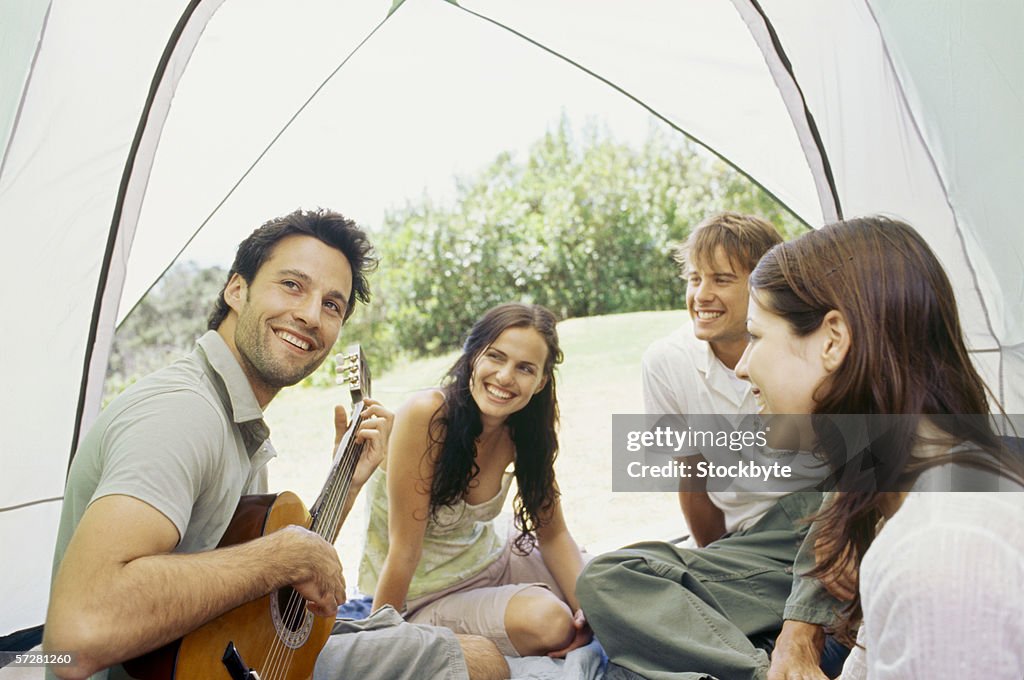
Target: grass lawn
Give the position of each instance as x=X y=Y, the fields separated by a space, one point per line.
x=600 y=377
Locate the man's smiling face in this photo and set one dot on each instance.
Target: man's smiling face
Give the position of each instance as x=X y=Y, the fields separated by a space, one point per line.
x=717 y=297
x=290 y=315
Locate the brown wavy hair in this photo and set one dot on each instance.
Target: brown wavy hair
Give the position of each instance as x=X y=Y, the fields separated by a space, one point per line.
x=456 y=424
x=907 y=358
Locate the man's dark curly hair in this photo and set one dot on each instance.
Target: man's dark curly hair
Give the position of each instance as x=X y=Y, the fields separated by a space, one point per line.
x=330 y=227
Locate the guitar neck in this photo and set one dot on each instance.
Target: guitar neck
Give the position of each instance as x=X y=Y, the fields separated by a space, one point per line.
x=329 y=509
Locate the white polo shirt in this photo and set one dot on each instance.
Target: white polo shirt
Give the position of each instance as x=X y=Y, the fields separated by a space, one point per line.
x=682 y=375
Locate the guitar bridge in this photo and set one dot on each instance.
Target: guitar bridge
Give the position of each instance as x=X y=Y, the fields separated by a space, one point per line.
x=236 y=667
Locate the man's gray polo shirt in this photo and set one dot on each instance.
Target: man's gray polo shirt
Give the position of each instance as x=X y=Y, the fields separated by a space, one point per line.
x=188 y=440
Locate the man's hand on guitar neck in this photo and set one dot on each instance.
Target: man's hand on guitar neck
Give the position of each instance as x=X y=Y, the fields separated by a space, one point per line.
x=375 y=430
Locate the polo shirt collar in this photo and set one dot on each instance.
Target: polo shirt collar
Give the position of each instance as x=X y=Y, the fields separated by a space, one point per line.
x=717 y=376
x=244 y=406
x=706 y=359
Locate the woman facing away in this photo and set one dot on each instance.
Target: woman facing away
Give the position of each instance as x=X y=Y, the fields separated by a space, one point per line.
x=860 y=318
x=432 y=549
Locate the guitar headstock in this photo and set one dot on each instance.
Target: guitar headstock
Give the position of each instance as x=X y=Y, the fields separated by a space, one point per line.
x=352 y=370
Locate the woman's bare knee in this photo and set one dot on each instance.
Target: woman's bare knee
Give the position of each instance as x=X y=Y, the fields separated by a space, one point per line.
x=537 y=622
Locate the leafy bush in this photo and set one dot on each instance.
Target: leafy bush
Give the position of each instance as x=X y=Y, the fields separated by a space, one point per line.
x=164 y=324
x=584 y=228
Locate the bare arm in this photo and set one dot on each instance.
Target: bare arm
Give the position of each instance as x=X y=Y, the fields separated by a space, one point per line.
x=120 y=592
x=704 y=519
x=563 y=559
x=410 y=471
x=561 y=554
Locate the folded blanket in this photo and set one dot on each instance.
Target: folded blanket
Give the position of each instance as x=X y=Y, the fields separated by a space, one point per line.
x=585 y=663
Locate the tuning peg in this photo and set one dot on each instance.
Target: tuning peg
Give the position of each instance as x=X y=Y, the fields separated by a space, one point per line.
x=339 y=371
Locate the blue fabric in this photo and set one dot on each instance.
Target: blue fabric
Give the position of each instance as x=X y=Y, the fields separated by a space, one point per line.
x=833 y=657
x=357 y=609
x=586 y=663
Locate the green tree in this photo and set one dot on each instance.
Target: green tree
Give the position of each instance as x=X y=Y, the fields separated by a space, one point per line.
x=584 y=227
x=164 y=324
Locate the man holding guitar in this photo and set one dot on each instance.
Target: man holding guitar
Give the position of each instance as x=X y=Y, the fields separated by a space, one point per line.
x=156 y=481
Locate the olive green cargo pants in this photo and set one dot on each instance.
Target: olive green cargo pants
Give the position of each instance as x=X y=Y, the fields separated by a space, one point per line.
x=670 y=613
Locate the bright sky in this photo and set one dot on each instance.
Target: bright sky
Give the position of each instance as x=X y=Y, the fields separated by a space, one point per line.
x=383 y=130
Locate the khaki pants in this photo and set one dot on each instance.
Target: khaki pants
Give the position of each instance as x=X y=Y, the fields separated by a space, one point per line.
x=386 y=647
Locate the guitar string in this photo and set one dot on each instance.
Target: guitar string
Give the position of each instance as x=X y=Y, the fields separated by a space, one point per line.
x=339 y=493
x=280 y=653
x=334 y=505
x=328 y=513
x=329 y=517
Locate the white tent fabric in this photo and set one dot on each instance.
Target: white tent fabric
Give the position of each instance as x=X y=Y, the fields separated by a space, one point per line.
x=122 y=133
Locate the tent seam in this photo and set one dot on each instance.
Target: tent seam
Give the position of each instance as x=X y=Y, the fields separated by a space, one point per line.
x=812 y=124
x=31 y=503
x=945 y=189
x=115 y=224
x=25 y=89
x=621 y=90
x=259 y=158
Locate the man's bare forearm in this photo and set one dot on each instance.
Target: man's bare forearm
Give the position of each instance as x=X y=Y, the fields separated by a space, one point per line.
x=109 y=617
x=703 y=518
x=797 y=653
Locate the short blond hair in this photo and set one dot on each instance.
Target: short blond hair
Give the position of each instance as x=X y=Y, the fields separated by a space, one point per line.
x=744 y=238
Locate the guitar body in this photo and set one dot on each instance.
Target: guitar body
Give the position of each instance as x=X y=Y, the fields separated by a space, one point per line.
x=261 y=630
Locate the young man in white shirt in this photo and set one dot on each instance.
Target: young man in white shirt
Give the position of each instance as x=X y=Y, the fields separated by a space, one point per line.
x=691 y=370
x=716 y=606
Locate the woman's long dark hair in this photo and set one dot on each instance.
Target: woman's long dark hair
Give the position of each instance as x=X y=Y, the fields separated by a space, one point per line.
x=456 y=425
x=907 y=358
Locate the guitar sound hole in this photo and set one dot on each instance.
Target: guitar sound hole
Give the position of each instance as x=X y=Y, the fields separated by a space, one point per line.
x=293 y=613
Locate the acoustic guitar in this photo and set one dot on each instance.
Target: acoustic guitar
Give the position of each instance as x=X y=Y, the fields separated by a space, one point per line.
x=274 y=637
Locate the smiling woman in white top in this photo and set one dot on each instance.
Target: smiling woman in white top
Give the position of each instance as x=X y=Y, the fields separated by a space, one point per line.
x=432 y=550
x=860 y=318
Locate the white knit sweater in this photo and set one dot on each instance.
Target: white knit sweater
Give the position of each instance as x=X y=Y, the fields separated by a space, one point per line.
x=943 y=591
